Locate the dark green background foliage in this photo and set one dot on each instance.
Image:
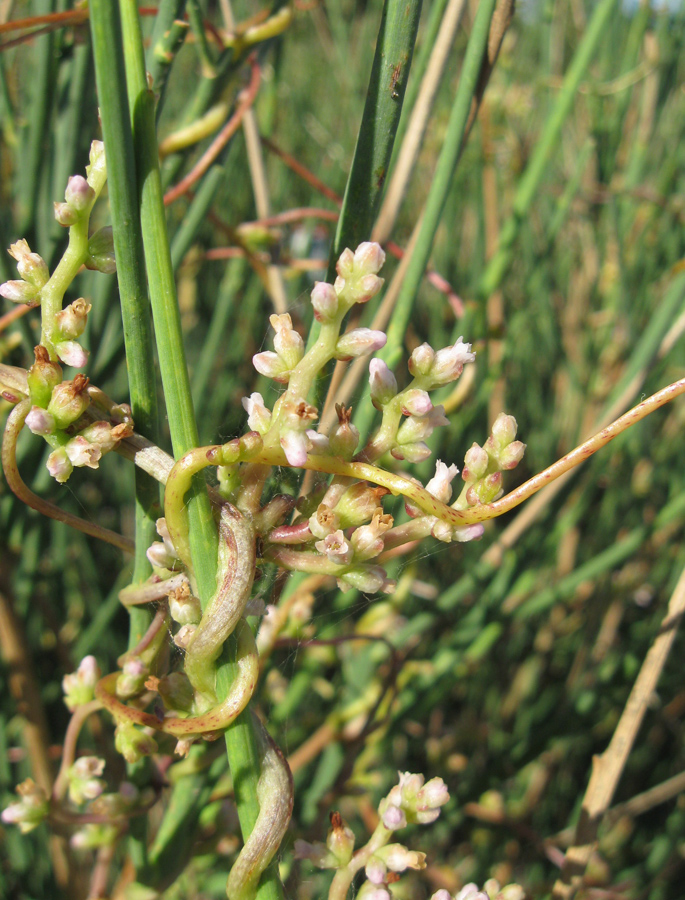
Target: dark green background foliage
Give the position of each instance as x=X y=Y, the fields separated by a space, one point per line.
x=508 y=678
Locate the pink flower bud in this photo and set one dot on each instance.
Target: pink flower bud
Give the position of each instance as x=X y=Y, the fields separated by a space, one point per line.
x=71 y=353
x=382 y=383
x=369 y=258
x=31 y=809
x=39 y=421
x=71 y=321
x=398 y=858
x=31 y=266
x=295 y=446
x=375 y=870
x=413 y=453
x=476 y=462
x=358 y=342
x=512 y=455
x=325 y=302
x=471 y=892
x=415 y=402
x=160 y=556
x=258 y=416
x=418 y=428
x=65 y=214
x=487 y=490
x=132 y=677
x=19 y=292
x=468 y=533
x=270 y=364
x=421 y=361
x=371 y=891
x=504 y=430
x=335 y=548
x=287 y=342
x=432 y=795
x=357 y=280
x=79 y=686
x=440 y=485
x=106 y=437
x=442 y=894
x=79 y=194
x=393 y=818
x=59 y=465
x=69 y=401
x=345 y=265
x=101 y=252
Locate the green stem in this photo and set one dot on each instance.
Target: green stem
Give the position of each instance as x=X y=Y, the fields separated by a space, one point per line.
x=162 y=288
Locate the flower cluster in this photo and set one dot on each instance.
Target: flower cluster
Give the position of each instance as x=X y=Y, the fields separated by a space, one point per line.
x=491 y=891
x=412 y=800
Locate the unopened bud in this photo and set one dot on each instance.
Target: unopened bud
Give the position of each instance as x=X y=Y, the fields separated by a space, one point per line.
x=20 y=292
x=31 y=809
x=415 y=402
x=504 y=430
x=487 y=490
x=512 y=455
x=421 y=360
x=31 y=266
x=79 y=195
x=71 y=353
x=43 y=376
x=84 y=779
x=59 y=465
x=132 y=743
x=131 y=680
x=288 y=343
x=325 y=302
x=101 y=252
x=450 y=361
x=258 y=416
x=413 y=452
x=418 y=428
x=440 y=485
x=79 y=686
x=69 y=401
x=358 y=342
x=476 y=461
x=382 y=383
x=40 y=421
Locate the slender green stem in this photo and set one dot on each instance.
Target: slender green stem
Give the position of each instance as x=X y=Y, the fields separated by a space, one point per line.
x=162 y=288
x=384 y=98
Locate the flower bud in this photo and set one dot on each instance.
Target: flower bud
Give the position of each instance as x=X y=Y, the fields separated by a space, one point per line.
x=132 y=743
x=132 y=677
x=184 y=608
x=258 y=416
x=382 y=383
x=398 y=858
x=336 y=548
x=467 y=533
x=20 y=292
x=271 y=365
x=340 y=840
x=367 y=579
x=371 y=891
x=442 y=894
x=295 y=446
x=71 y=353
x=39 y=421
x=31 y=809
x=471 y=892
x=84 y=779
x=421 y=360
x=325 y=302
x=418 y=428
x=440 y=485
x=79 y=687
x=358 y=504
x=414 y=452
x=450 y=361
x=343 y=437
x=65 y=214
x=487 y=490
x=476 y=462
x=160 y=556
x=71 y=321
x=106 y=436
x=512 y=455
x=59 y=465
x=357 y=279
x=320 y=445
x=288 y=344
x=358 y=342
x=43 y=376
x=504 y=430
x=415 y=402
x=69 y=401
x=101 y=252
x=79 y=195
x=31 y=266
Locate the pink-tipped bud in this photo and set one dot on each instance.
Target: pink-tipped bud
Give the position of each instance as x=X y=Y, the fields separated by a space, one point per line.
x=79 y=686
x=101 y=252
x=31 y=266
x=258 y=416
x=65 y=214
x=440 y=485
x=71 y=321
x=325 y=302
x=358 y=342
x=132 y=677
x=419 y=428
x=31 y=809
x=79 y=195
x=59 y=465
x=71 y=353
x=287 y=342
x=382 y=383
x=184 y=636
x=487 y=490
x=69 y=400
x=20 y=292
x=39 y=421
x=421 y=361
x=343 y=437
x=271 y=365
x=468 y=533
x=504 y=430
x=160 y=556
x=369 y=258
x=415 y=403
x=476 y=462
x=412 y=452
x=335 y=548
x=357 y=280
x=512 y=455
x=295 y=445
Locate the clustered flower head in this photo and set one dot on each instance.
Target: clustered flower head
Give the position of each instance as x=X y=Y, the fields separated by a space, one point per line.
x=79 y=686
x=491 y=891
x=31 y=809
